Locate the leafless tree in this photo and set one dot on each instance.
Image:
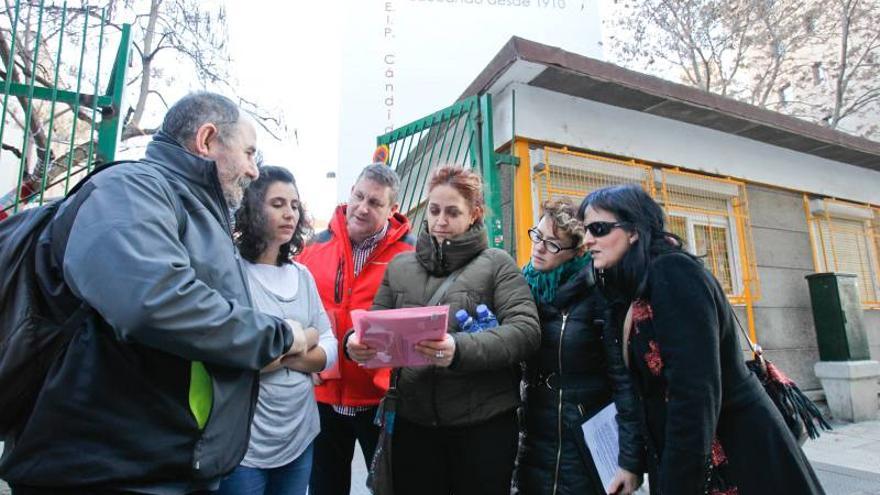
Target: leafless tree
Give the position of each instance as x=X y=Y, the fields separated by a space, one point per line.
x=174 y=42
x=817 y=60
x=848 y=52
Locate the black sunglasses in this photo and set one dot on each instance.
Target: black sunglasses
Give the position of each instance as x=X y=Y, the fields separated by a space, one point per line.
x=551 y=246
x=601 y=229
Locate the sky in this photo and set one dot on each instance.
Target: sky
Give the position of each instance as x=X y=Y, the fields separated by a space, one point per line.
x=289 y=60
x=323 y=65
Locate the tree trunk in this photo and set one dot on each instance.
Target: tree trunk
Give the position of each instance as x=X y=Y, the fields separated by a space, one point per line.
x=840 y=85
x=146 y=63
x=39 y=136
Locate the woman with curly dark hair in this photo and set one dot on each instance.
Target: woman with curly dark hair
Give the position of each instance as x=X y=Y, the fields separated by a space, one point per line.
x=271 y=228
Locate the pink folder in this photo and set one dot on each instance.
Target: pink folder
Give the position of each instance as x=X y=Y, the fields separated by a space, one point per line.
x=395 y=332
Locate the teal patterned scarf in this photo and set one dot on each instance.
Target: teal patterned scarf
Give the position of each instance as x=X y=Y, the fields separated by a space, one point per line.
x=545 y=284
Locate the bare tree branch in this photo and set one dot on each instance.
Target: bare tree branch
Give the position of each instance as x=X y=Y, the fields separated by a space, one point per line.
x=822 y=57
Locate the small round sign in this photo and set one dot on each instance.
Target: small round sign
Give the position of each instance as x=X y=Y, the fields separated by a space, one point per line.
x=381 y=154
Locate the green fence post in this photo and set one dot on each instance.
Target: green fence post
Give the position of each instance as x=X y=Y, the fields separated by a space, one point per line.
x=491 y=180
x=111 y=117
x=89 y=161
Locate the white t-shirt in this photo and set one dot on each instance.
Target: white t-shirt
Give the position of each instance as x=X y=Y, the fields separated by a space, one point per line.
x=286 y=418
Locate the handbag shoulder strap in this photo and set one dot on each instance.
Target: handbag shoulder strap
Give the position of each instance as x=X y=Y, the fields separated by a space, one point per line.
x=627 y=329
x=435 y=298
x=443 y=288
x=447 y=283
x=755 y=348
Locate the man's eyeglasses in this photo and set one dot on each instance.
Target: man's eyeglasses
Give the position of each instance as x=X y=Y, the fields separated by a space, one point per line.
x=551 y=246
x=601 y=229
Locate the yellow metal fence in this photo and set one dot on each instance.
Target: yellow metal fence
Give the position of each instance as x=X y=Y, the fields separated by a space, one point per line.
x=710 y=214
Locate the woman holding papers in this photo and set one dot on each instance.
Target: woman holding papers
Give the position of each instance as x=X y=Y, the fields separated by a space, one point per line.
x=271 y=228
x=575 y=372
x=456 y=429
x=711 y=428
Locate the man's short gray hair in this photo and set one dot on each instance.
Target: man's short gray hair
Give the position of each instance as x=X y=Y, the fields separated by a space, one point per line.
x=384 y=175
x=196 y=109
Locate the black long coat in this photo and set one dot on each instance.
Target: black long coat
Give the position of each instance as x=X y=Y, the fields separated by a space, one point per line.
x=576 y=373
x=710 y=426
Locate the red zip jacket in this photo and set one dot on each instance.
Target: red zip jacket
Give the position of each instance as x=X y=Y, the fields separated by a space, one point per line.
x=329 y=257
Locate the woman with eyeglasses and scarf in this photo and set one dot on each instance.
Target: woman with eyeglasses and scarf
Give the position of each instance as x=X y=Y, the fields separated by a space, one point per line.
x=710 y=428
x=571 y=377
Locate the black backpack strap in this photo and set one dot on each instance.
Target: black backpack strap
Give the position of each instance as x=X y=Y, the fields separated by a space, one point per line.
x=62 y=225
x=95 y=171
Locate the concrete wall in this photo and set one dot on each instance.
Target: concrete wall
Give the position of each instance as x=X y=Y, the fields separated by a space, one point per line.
x=872 y=327
x=783 y=316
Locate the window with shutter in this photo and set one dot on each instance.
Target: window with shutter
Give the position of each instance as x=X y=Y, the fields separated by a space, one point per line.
x=845 y=239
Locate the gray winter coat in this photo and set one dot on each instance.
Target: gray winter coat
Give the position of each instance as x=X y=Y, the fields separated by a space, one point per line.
x=128 y=406
x=483 y=380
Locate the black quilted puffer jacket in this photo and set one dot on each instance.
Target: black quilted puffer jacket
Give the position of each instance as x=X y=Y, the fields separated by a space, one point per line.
x=577 y=372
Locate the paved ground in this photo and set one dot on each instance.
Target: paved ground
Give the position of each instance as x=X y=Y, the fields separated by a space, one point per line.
x=847 y=461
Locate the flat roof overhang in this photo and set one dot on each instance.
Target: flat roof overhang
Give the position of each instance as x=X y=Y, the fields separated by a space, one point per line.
x=555 y=69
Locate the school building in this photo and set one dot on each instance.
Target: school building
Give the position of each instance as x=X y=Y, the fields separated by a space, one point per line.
x=767 y=199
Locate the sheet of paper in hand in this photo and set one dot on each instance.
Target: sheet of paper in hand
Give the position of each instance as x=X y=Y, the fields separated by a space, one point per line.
x=395 y=332
x=600 y=433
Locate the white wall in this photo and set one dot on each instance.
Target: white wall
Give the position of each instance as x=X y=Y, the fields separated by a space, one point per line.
x=405 y=59
x=557 y=118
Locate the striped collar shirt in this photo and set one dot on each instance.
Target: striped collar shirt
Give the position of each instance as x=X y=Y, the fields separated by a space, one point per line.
x=361 y=251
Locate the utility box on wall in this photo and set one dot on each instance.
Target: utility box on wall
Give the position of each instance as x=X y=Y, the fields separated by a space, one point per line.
x=837 y=314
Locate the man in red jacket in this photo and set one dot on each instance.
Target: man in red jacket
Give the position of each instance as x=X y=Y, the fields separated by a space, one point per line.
x=348 y=262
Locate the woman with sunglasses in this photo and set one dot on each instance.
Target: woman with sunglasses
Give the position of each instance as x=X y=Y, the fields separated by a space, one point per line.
x=710 y=427
x=271 y=227
x=456 y=429
x=570 y=378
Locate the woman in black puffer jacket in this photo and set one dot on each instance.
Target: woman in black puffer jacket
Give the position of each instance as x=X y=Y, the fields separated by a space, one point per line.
x=577 y=371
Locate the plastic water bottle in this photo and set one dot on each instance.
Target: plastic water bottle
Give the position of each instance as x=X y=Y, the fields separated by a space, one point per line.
x=485 y=318
x=465 y=322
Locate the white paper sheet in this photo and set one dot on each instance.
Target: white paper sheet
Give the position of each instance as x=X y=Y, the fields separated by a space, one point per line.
x=600 y=433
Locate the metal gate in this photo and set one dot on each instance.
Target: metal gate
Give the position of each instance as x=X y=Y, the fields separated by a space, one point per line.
x=50 y=60
x=460 y=134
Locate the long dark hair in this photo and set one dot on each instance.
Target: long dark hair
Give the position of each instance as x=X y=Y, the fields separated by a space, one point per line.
x=637 y=212
x=251 y=222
